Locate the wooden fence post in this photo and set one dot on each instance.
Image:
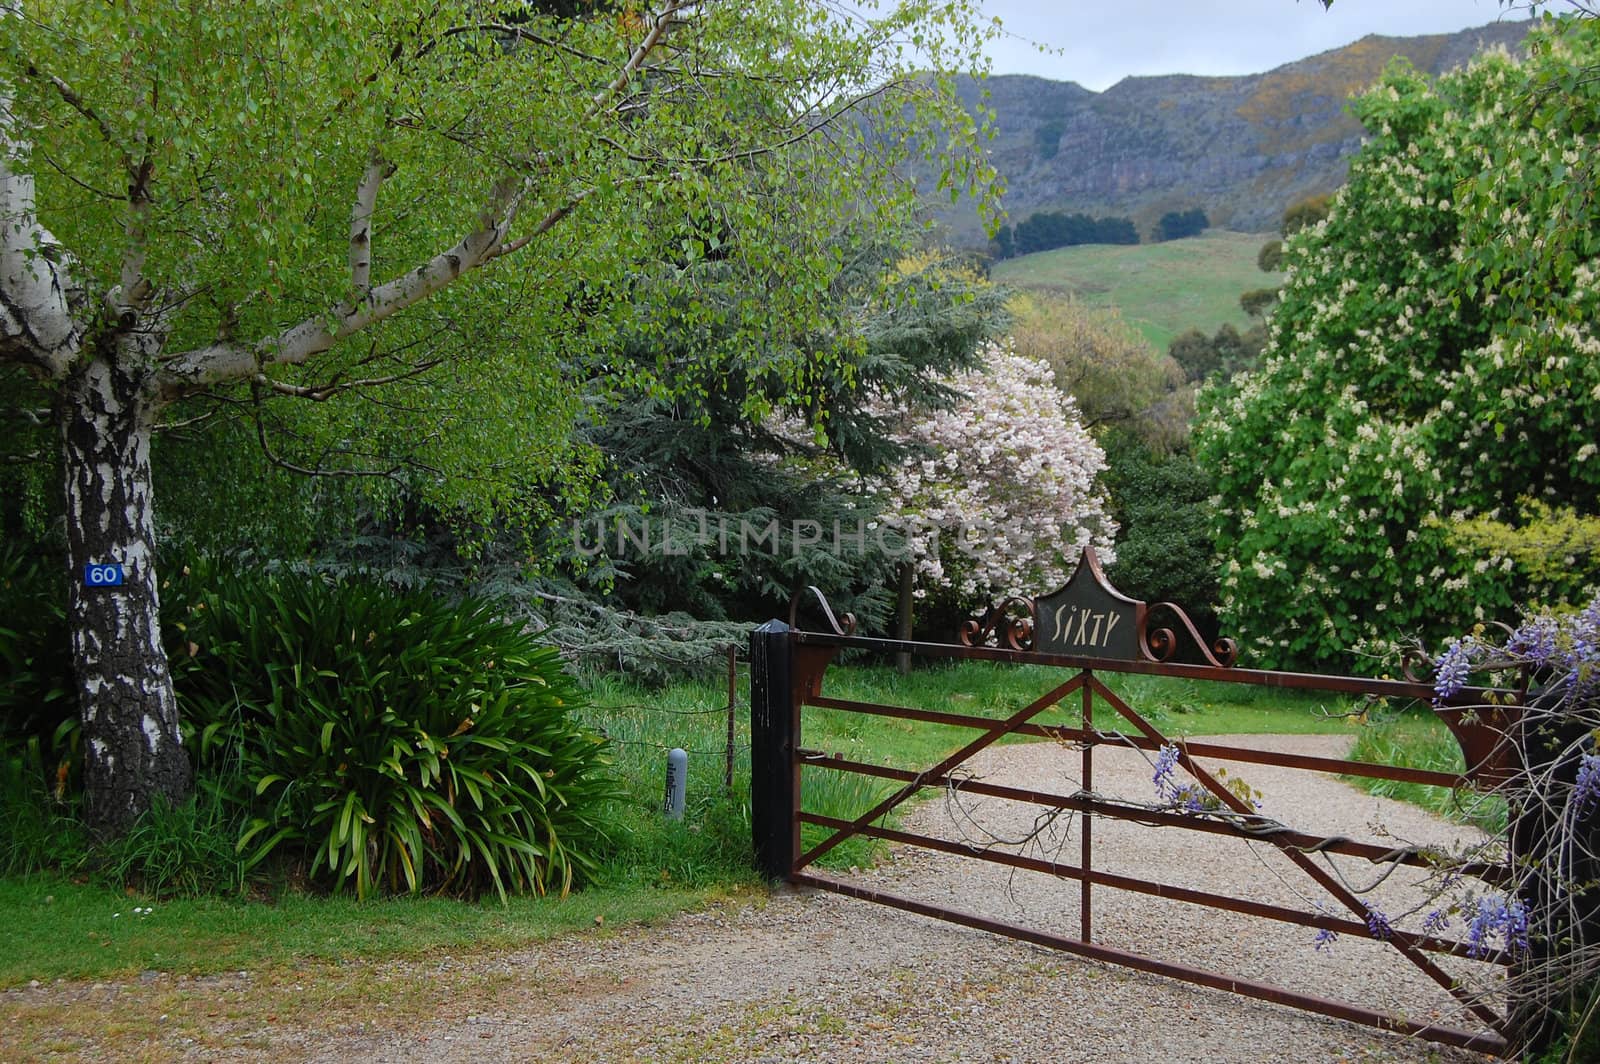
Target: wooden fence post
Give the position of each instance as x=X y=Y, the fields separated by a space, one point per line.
x=774 y=731
x=733 y=703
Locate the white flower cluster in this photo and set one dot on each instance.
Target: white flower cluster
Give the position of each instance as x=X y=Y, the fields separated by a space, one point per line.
x=1002 y=496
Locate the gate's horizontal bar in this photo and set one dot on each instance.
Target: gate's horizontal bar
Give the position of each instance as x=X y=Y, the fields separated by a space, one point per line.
x=1065 y=733
x=1298 y=681
x=1265 y=910
x=1489 y=873
x=1483 y=1042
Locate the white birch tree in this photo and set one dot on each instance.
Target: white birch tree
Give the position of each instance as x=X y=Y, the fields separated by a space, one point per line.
x=251 y=200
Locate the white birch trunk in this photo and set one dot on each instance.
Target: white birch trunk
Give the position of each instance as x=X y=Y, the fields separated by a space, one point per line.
x=132 y=748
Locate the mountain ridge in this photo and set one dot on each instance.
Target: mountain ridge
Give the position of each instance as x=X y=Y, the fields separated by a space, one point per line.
x=1242 y=147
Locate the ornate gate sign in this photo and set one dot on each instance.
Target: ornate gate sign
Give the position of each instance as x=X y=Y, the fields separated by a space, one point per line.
x=1088 y=628
x=1089 y=617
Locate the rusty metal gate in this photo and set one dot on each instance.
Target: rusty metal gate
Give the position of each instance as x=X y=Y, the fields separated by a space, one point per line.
x=1086 y=629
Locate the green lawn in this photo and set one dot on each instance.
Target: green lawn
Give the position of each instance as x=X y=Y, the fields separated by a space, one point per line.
x=53 y=928
x=1161 y=289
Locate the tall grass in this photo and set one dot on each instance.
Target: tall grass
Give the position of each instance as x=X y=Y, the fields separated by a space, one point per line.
x=41 y=830
x=843 y=796
x=1418 y=739
x=710 y=846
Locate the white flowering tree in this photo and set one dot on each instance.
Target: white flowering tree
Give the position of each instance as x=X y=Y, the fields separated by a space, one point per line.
x=1000 y=492
x=1431 y=367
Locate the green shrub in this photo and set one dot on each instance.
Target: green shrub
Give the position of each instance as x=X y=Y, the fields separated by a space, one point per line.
x=392 y=740
x=42 y=829
x=1164 y=539
x=35 y=654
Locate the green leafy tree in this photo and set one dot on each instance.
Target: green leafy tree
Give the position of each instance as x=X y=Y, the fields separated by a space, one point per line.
x=1004 y=244
x=1047 y=139
x=1224 y=353
x=707 y=481
x=1161 y=505
x=1302 y=213
x=252 y=203
x=1432 y=362
x=1109 y=369
x=1176 y=225
x=1045 y=230
x=1258 y=301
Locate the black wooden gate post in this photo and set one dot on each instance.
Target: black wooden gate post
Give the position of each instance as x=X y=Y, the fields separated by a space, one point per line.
x=774 y=731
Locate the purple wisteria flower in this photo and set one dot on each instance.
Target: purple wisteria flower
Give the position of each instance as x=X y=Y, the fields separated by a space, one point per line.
x=1584 y=660
x=1190 y=797
x=1378 y=924
x=1436 y=920
x=1590 y=617
x=1325 y=940
x=1166 y=762
x=1566 y=646
x=1454 y=665
x=1538 y=641
x=1516 y=926
x=1587 y=788
x=1497 y=915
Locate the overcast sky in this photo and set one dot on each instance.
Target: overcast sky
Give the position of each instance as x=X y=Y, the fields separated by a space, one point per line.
x=1099 y=42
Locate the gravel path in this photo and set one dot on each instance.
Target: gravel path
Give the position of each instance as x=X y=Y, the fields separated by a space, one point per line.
x=802 y=975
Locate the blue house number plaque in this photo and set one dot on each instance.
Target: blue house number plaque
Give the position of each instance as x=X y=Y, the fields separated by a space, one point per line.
x=107 y=574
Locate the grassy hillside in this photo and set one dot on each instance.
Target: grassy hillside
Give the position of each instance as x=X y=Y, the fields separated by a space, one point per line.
x=1162 y=289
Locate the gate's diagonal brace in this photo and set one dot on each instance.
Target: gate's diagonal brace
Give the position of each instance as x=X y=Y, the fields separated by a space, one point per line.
x=999 y=730
x=1398 y=939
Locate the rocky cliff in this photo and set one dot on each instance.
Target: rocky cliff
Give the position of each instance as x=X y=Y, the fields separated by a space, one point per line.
x=1241 y=148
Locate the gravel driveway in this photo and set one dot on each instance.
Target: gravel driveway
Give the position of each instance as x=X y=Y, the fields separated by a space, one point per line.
x=802 y=975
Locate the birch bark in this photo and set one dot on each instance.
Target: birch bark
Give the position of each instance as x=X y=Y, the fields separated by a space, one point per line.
x=132 y=747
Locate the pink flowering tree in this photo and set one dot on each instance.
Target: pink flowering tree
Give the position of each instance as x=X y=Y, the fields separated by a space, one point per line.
x=999 y=493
